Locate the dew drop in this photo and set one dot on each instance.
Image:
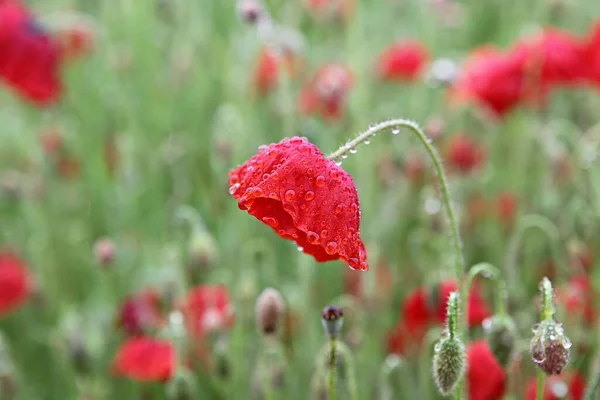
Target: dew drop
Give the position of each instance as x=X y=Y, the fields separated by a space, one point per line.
x=273 y=195
x=234 y=188
x=339 y=208
x=566 y=342
x=300 y=248
x=320 y=181
x=324 y=233
x=353 y=150
x=258 y=192
x=262 y=147
x=310 y=172
x=290 y=195
x=437 y=347
x=296 y=140
x=535 y=328
x=353 y=208
x=333 y=174
x=344 y=156
x=353 y=263
x=275 y=176
x=309 y=195
x=345 y=241
x=351 y=232
x=338 y=163
x=281 y=232
x=270 y=221
x=363 y=266
x=395 y=130
x=367 y=141
x=331 y=248
x=312 y=237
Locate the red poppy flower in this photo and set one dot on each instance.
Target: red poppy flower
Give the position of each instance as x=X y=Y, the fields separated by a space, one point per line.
x=554 y=57
x=327 y=91
x=402 y=61
x=493 y=78
x=140 y=313
x=486 y=378
x=207 y=308
x=304 y=197
x=464 y=154
x=268 y=69
x=478 y=309
x=506 y=207
x=15 y=283
x=29 y=61
x=145 y=359
x=75 y=39
x=592 y=54
x=559 y=387
x=416 y=311
x=577 y=296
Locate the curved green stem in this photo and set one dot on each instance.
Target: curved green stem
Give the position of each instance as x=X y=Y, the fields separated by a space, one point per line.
x=527 y=222
x=332 y=362
x=489 y=271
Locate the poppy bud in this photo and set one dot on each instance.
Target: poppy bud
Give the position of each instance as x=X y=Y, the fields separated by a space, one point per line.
x=448 y=364
x=550 y=348
x=104 y=251
x=269 y=309
x=332 y=319
x=501 y=334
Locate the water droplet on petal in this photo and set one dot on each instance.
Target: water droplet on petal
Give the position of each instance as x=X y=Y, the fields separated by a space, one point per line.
x=275 y=176
x=262 y=147
x=273 y=195
x=310 y=172
x=339 y=208
x=309 y=195
x=324 y=233
x=312 y=237
x=320 y=181
x=353 y=263
x=331 y=248
x=270 y=221
x=234 y=188
x=353 y=208
x=300 y=248
x=333 y=174
x=351 y=232
x=290 y=195
x=296 y=140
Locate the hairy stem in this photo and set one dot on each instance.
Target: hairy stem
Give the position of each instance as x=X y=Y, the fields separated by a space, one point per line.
x=547 y=300
x=540 y=385
x=350 y=372
x=332 y=362
x=489 y=271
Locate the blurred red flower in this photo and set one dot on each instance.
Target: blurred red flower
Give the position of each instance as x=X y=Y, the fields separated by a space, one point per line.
x=592 y=54
x=15 y=282
x=145 y=359
x=29 y=60
x=402 y=61
x=493 y=78
x=415 y=168
x=304 y=197
x=486 y=378
x=140 y=313
x=464 y=154
x=506 y=207
x=478 y=309
x=568 y=386
x=577 y=296
x=207 y=308
x=326 y=93
x=553 y=57
x=75 y=41
x=268 y=68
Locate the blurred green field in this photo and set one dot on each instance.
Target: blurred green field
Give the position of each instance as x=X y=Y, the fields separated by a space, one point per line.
x=169 y=83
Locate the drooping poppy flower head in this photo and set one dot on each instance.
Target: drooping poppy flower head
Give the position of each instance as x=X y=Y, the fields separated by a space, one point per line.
x=492 y=78
x=140 y=313
x=554 y=57
x=326 y=93
x=29 y=60
x=464 y=154
x=402 y=61
x=207 y=308
x=567 y=386
x=303 y=197
x=145 y=359
x=15 y=282
x=486 y=378
x=439 y=294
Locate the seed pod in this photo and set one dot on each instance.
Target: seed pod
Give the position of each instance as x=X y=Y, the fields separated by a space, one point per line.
x=269 y=309
x=448 y=364
x=550 y=348
x=332 y=319
x=501 y=334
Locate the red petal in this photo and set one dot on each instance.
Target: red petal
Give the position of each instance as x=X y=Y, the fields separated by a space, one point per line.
x=304 y=197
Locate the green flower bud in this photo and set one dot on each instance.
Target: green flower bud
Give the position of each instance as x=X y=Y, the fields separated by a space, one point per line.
x=448 y=364
x=550 y=348
x=501 y=334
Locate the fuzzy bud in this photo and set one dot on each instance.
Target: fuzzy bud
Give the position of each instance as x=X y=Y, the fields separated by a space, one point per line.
x=550 y=348
x=332 y=319
x=104 y=251
x=501 y=334
x=448 y=364
x=269 y=309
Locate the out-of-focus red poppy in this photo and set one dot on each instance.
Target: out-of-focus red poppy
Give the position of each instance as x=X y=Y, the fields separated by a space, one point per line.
x=29 y=60
x=145 y=359
x=15 y=282
x=207 y=308
x=415 y=169
x=402 y=61
x=75 y=41
x=577 y=296
x=592 y=54
x=303 y=197
x=464 y=154
x=325 y=94
x=478 y=308
x=330 y=9
x=268 y=68
x=567 y=386
x=477 y=208
x=506 y=207
x=486 y=378
x=140 y=313
x=494 y=79
x=553 y=57
x=581 y=256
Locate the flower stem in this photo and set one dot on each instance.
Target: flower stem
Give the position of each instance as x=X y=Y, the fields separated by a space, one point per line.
x=547 y=300
x=332 y=362
x=492 y=272
x=350 y=373
x=593 y=384
x=540 y=385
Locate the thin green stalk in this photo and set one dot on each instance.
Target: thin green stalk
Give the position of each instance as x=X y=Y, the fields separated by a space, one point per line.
x=459 y=262
x=492 y=272
x=350 y=373
x=540 y=384
x=593 y=385
x=332 y=362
